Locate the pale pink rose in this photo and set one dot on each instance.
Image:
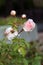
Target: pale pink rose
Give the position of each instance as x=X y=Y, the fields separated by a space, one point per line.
x=11 y=36
x=13 y=13
x=10 y=33
x=29 y=25
x=7 y=31
x=23 y=16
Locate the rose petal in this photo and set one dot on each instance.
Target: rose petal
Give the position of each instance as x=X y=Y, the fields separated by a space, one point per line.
x=29 y=25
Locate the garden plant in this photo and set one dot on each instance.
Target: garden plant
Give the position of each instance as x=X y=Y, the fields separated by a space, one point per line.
x=19 y=51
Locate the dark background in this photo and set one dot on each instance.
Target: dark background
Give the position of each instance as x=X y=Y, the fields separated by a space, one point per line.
x=29 y=7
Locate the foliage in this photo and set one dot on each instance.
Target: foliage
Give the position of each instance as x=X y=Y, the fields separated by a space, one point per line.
x=19 y=52
x=10 y=20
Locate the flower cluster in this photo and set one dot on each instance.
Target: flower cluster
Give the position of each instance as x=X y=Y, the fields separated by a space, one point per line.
x=19 y=51
x=28 y=26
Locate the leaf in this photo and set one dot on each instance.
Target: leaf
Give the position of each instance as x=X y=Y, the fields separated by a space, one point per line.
x=37 y=61
x=25 y=61
x=16 y=47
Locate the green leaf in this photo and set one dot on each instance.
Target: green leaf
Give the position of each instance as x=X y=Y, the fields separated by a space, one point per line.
x=25 y=62
x=37 y=61
x=16 y=47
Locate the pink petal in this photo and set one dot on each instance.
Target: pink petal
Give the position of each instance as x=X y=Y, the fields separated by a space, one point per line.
x=29 y=25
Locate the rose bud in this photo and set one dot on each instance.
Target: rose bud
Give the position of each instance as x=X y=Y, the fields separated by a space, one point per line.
x=23 y=16
x=13 y=13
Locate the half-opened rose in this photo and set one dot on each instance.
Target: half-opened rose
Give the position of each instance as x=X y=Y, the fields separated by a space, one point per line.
x=29 y=25
x=11 y=36
x=10 y=33
x=7 y=31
